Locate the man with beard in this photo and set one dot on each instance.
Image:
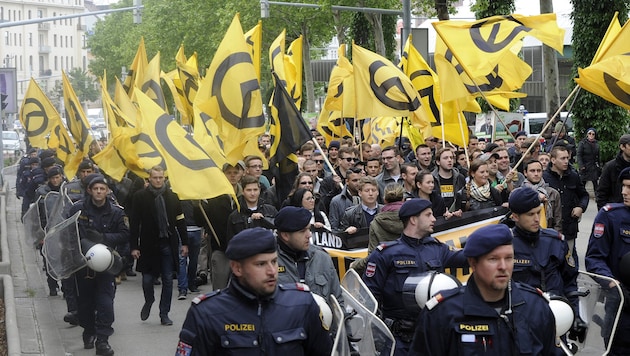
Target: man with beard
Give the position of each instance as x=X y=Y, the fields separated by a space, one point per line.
x=254 y=315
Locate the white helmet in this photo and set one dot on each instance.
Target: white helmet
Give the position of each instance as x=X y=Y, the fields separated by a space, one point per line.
x=563 y=314
x=324 y=311
x=99 y=258
x=420 y=288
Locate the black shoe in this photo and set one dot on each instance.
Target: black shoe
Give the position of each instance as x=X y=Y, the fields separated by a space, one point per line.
x=182 y=295
x=146 y=310
x=156 y=282
x=88 y=341
x=53 y=293
x=103 y=348
x=194 y=290
x=131 y=273
x=71 y=318
x=165 y=320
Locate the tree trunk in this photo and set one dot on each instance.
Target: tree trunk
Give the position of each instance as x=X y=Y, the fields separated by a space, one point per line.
x=442 y=10
x=379 y=40
x=308 y=73
x=339 y=27
x=550 y=67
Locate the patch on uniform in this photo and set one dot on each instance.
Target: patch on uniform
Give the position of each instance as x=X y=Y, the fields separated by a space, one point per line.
x=302 y=287
x=183 y=349
x=381 y=247
x=126 y=221
x=370 y=269
x=201 y=297
x=431 y=303
x=282 y=269
x=598 y=230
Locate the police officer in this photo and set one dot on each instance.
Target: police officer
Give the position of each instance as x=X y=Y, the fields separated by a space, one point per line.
x=254 y=315
x=491 y=315
x=75 y=188
x=541 y=257
x=609 y=242
x=103 y=222
x=298 y=259
x=390 y=264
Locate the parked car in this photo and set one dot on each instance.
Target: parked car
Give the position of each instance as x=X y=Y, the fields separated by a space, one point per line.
x=11 y=144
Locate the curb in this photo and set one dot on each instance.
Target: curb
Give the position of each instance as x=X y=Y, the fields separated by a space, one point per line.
x=10 y=315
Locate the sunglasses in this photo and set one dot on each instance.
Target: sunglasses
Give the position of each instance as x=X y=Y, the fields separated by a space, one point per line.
x=319 y=161
x=350 y=159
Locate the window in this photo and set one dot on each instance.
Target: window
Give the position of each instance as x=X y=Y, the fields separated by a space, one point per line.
x=30 y=39
x=56 y=64
x=40 y=14
x=20 y=43
x=21 y=63
x=55 y=40
x=54 y=15
x=29 y=14
x=71 y=45
x=6 y=37
x=30 y=63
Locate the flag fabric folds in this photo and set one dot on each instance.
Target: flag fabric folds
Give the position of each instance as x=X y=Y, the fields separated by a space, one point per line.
x=288 y=132
x=188 y=165
x=236 y=105
x=37 y=115
x=381 y=88
x=293 y=71
x=253 y=38
x=610 y=79
x=75 y=117
x=140 y=62
x=149 y=82
x=189 y=81
x=481 y=44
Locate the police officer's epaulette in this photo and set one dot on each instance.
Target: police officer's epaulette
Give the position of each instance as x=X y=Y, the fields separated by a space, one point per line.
x=295 y=286
x=387 y=244
x=528 y=288
x=612 y=206
x=442 y=296
x=119 y=206
x=201 y=297
x=552 y=233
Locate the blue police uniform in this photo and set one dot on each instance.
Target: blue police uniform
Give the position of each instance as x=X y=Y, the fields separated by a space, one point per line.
x=540 y=260
x=97 y=289
x=608 y=243
x=388 y=267
x=233 y=321
x=459 y=322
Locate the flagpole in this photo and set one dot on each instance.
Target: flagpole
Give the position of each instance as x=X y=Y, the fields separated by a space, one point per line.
x=325 y=159
x=547 y=124
x=564 y=121
x=461 y=130
x=400 y=135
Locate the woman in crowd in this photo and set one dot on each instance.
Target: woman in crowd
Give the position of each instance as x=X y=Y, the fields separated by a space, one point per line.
x=425 y=189
x=303 y=197
x=478 y=194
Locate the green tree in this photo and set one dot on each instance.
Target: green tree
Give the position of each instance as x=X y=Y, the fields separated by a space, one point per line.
x=442 y=9
x=590 y=21
x=85 y=87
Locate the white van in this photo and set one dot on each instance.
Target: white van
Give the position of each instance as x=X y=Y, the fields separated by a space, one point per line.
x=533 y=122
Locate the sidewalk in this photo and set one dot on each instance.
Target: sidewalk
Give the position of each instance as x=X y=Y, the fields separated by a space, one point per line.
x=40 y=317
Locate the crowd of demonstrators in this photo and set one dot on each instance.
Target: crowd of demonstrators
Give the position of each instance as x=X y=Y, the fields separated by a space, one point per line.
x=609 y=188
x=477 y=193
x=360 y=216
x=426 y=189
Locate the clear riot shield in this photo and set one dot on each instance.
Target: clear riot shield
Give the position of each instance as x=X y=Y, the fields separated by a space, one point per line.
x=62 y=249
x=366 y=333
x=32 y=225
x=341 y=347
x=600 y=307
x=55 y=203
x=354 y=285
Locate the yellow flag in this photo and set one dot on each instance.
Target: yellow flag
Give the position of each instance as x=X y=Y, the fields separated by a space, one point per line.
x=614 y=28
x=65 y=149
x=332 y=126
x=75 y=117
x=480 y=45
x=140 y=62
x=609 y=78
x=293 y=71
x=189 y=78
x=189 y=167
x=336 y=88
x=381 y=130
x=381 y=88
x=123 y=101
x=175 y=86
x=253 y=38
x=37 y=115
x=276 y=57
x=237 y=106
x=149 y=82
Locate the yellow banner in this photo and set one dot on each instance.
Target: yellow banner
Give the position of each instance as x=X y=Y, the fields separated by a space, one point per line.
x=332 y=126
x=149 y=82
x=37 y=115
x=189 y=167
x=480 y=45
x=140 y=62
x=236 y=107
x=609 y=79
x=75 y=117
x=293 y=71
x=253 y=38
x=189 y=81
x=381 y=89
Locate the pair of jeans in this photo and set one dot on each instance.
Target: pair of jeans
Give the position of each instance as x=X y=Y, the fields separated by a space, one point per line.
x=166 y=272
x=188 y=265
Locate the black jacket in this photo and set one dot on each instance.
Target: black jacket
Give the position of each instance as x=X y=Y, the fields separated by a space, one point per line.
x=572 y=194
x=240 y=220
x=609 y=189
x=588 y=160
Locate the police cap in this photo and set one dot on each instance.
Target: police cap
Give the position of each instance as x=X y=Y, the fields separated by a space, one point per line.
x=96 y=178
x=413 y=207
x=523 y=200
x=48 y=162
x=292 y=218
x=86 y=164
x=33 y=160
x=624 y=174
x=250 y=242
x=31 y=150
x=54 y=171
x=46 y=153
x=487 y=238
